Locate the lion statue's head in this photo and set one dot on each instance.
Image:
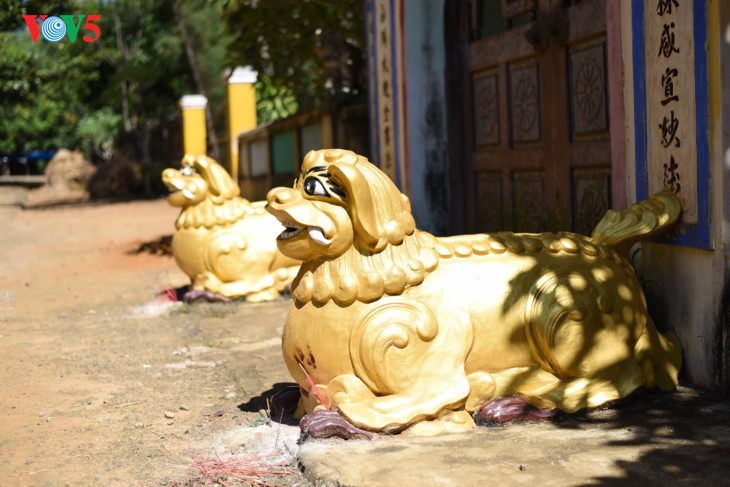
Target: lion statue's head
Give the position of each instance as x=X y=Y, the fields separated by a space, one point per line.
x=206 y=193
x=352 y=228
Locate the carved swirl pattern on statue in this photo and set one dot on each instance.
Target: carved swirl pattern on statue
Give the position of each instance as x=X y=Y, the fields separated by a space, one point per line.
x=558 y=319
x=389 y=341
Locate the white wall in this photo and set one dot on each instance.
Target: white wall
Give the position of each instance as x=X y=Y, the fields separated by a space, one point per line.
x=684 y=290
x=426 y=113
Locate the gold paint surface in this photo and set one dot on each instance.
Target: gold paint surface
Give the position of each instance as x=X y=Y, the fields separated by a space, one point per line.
x=396 y=327
x=224 y=243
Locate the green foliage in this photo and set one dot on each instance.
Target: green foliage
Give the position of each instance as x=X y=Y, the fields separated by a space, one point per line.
x=140 y=52
x=97 y=132
x=87 y=95
x=120 y=89
x=311 y=48
x=273 y=102
x=12 y=11
x=210 y=37
x=42 y=88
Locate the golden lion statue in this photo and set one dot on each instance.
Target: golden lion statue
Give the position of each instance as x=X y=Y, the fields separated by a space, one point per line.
x=224 y=243
x=391 y=326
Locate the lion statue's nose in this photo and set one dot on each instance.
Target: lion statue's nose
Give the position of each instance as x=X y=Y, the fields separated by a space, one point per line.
x=281 y=195
x=168 y=174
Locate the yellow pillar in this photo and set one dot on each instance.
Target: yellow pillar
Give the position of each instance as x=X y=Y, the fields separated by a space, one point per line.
x=194 y=134
x=241 y=110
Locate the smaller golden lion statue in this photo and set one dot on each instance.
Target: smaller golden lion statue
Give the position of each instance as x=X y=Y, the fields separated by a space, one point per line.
x=224 y=243
x=393 y=328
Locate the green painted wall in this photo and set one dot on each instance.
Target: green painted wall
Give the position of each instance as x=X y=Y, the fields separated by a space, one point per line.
x=283 y=153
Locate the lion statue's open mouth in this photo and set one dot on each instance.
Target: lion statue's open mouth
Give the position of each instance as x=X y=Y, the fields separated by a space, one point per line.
x=393 y=327
x=292 y=229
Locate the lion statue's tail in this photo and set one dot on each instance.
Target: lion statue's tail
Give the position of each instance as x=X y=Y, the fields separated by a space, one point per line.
x=659 y=355
x=622 y=229
x=571 y=310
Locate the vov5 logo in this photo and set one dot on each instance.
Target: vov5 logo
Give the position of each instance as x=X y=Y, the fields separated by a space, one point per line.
x=55 y=28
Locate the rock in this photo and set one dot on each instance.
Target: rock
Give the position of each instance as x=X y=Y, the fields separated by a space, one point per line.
x=69 y=170
x=169 y=414
x=67 y=175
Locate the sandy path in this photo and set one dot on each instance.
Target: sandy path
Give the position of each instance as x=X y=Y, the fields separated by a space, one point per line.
x=92 y=360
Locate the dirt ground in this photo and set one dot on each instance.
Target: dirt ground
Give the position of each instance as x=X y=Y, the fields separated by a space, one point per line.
x=105 y=381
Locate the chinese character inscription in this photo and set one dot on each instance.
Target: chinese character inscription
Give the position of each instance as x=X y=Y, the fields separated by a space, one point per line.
x=670 y=98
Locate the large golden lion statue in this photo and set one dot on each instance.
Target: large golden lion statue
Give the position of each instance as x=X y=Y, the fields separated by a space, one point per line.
x=225 y=244
x=391 y=326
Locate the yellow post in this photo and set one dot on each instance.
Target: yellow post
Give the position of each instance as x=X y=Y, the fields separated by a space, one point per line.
x=194 y=134
x=241 y=110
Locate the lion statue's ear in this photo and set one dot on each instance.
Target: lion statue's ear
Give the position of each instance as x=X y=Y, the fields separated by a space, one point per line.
x=205 y=169
x=219 y=182
x=361 y=206
x=406 y=202
x=188 y=160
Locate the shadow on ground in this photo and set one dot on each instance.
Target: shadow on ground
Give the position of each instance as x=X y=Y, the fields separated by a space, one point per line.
x=279 y=402
x=679 y=437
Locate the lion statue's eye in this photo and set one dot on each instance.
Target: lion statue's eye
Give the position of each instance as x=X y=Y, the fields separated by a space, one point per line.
x=313 y=187
x=186 y=171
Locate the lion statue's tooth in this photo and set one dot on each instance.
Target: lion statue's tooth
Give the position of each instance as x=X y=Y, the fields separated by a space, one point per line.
x=188 y=194
x=318 y=236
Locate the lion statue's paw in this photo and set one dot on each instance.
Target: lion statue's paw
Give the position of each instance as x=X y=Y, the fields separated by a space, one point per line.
x=323 y=423
x=508 y=409
x=209 y=296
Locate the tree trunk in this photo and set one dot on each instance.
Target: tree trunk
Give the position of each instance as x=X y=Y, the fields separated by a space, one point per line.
x=123 y=88
x=197 y=77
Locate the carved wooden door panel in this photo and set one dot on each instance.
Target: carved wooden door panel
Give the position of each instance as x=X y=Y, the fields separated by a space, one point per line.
x=536 y=116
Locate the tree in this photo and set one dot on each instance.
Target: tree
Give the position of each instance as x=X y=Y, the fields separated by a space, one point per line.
x=144 y=65
x=43 y=91
x=124 y=88
x=205 y=38
x=73 y=94
x=312 y=49
x=12 y=11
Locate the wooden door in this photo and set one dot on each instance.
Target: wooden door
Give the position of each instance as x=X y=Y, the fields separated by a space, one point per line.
x=535 y=115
